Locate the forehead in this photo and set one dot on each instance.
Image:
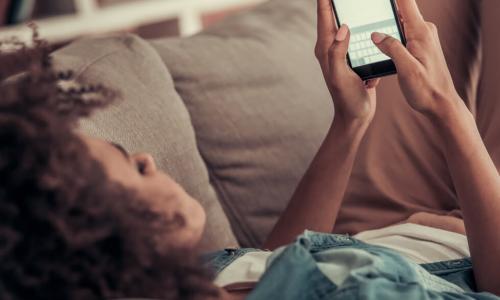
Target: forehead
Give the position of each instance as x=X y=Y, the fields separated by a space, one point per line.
x=101 y=149
x=94 y=143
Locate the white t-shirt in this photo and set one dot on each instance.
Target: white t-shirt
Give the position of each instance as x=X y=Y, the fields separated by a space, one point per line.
x=421 y=244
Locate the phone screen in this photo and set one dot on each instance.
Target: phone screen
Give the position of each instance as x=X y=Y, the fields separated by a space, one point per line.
x=363 y=18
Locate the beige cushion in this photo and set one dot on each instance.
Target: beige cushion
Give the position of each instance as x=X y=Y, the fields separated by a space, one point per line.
x=151 y=117
x=260 y=110
x=259 y=106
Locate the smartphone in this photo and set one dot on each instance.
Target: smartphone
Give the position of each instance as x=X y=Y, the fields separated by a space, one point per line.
x=363 y=18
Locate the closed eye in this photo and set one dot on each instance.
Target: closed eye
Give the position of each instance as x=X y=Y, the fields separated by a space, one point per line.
x=141 y=167
x=122 y=150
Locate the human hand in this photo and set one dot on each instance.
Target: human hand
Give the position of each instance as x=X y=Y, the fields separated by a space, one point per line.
x=354 y=99
x=423 y=74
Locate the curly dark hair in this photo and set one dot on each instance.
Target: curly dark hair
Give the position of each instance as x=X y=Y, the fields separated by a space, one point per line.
x=66 y=231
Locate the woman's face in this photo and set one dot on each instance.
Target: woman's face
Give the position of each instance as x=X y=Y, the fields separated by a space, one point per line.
x=165 y=197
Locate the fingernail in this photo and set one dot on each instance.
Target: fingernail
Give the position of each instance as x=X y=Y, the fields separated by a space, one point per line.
x=342 y=33
x=378 y=37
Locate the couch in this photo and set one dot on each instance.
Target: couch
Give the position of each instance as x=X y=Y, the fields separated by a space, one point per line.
x=236 y=113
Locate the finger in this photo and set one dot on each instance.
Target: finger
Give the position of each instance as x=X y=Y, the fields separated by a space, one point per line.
x=326 y=25
x=338 y=52
x=372 y=83
x=410 y=12
x=393 y=48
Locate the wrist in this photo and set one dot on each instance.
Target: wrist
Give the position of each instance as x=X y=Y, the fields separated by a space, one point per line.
x=350 y=126
x=450 y=109
x=456 y=118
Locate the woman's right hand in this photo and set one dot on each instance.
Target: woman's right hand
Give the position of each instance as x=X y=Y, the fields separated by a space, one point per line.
x=422 y=70
x=354 y=100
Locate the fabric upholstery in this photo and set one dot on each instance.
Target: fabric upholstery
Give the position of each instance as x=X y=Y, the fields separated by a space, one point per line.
x=260 y=110
x=259 y=106
x=150 y=117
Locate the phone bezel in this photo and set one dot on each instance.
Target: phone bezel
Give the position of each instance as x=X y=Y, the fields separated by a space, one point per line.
x=379 y=69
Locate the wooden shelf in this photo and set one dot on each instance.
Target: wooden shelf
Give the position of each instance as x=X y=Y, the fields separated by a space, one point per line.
x=92 y=19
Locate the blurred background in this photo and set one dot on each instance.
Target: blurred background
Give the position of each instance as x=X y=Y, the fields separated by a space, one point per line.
x=61 y=21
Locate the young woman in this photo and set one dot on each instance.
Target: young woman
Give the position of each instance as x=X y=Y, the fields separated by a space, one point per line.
x=80 y=218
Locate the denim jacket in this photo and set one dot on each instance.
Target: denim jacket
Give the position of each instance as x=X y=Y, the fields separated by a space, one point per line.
x=357 y=271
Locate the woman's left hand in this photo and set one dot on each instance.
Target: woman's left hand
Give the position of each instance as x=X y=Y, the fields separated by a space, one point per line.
x=354 y=100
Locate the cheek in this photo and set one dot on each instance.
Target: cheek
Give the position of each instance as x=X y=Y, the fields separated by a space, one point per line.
x=188 y=235
x=169 y=199
x=195 y=215
x=195 y=218
x=121 y=172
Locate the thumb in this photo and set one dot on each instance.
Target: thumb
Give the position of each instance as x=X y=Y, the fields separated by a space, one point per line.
x=393 y=48
x=338 y=51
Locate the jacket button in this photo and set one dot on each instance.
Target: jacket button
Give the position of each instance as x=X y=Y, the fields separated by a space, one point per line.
x=230 y=251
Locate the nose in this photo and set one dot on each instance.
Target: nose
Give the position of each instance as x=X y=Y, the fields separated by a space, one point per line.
x=146 y=163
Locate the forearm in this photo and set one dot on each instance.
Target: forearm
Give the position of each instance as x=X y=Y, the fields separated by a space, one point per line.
x=318 y=197
x=477 y=184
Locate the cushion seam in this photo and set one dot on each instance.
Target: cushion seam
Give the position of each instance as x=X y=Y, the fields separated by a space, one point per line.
x=86 y=66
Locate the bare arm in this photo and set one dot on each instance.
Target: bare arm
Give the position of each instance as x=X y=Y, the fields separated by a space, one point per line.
x=317 y=199
x=477 y=183
x=426 y=82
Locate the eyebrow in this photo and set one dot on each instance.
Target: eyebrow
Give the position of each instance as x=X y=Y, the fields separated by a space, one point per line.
x=121 y=149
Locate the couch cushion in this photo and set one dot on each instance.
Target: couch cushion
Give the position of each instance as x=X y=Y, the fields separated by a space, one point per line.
x=150 y=117
x=260 y=111
x=259 y=106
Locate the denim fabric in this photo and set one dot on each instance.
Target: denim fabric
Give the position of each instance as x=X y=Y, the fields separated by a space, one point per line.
x=325 y=266
x=218 y=261
x=457 y=271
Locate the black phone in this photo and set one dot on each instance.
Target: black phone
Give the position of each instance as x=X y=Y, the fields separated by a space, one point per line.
x=363 y=18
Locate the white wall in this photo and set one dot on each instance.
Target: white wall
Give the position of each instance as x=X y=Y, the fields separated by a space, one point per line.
x=94 y=20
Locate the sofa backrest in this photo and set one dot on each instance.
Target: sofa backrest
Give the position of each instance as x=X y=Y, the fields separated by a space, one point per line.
x=260 y=110
x=150 y=117
x=258 y=104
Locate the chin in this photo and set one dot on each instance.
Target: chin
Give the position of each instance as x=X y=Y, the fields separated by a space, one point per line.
x=189 y=238
x=198 y=231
